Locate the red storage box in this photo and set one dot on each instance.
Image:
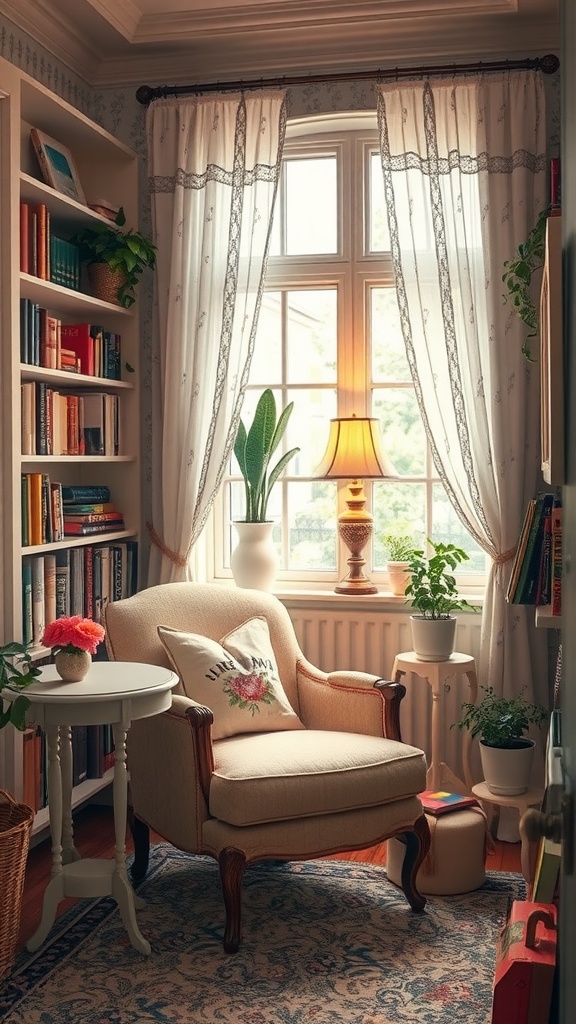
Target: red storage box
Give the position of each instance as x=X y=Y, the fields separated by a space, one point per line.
x=525 y=965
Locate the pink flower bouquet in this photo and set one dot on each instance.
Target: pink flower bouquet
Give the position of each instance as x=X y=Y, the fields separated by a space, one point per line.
x=72 y=633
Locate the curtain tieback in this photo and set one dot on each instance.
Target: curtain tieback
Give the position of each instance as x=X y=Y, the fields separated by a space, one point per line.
x=500 y=559
x=504 y=556
x=175 y=558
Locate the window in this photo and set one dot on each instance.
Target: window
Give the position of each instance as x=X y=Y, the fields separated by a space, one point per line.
x=329 y=339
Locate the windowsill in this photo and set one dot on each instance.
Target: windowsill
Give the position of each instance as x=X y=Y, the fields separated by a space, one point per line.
x=382 y=601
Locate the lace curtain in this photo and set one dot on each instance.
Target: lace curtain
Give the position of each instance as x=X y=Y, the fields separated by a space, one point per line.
x=464 y=165
x=214 y=164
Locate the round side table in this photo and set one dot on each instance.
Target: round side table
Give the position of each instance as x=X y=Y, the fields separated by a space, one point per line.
x=435 y=673
x=113 y=693
x=492 y=802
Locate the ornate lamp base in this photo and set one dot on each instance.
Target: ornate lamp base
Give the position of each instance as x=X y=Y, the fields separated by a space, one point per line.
x=355 y=528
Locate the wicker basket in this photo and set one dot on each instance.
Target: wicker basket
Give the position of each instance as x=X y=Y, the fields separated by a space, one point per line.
x=105 y=282
x=15 y=828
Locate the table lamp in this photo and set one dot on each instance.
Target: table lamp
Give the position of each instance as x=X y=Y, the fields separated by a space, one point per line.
x=355 y=452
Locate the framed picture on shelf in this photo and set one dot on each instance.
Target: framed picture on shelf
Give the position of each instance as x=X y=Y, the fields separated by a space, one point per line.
x=57 y=165
x=552 y=357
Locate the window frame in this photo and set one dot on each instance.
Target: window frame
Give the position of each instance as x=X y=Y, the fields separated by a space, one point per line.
x=352 y=270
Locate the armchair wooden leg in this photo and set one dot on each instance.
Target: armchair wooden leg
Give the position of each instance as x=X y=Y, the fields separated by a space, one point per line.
x=141 y=836
x=417 y=846
x=232 y=863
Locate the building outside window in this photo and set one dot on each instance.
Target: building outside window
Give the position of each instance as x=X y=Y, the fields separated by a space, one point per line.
x=329 y=340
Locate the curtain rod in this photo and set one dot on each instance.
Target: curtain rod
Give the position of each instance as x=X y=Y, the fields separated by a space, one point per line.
x=548 y=65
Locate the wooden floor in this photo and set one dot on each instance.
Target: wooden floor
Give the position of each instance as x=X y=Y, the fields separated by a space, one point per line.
x=94 y=837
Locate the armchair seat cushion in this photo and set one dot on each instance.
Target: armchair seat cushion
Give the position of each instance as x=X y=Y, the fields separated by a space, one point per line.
x=280 y=776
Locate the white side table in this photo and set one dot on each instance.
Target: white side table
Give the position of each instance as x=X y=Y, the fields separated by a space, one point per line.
x=435 y=673
x=492 y=802
x=113 y=693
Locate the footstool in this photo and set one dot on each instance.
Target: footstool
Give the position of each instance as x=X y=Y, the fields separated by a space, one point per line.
x=457 y=858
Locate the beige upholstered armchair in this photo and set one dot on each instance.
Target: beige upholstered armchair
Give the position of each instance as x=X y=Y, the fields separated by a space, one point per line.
x=262 y=756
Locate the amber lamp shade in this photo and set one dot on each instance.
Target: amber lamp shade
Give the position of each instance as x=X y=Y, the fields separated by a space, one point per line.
x=354 y=452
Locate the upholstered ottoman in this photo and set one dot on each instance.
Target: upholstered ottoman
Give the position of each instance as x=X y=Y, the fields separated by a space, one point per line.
x=456 y=862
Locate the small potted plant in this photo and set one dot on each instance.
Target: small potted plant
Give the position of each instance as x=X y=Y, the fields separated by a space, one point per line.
x=501 y=723
x=433 y=594
x=254 y=560
x=73 y=641
x=115 y=259
x=398 y=548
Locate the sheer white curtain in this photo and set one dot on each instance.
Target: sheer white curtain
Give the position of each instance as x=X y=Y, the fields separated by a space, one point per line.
x=464 y=169
x=214 y=163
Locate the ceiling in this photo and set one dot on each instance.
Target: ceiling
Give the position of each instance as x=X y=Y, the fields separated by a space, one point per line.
x=155 y=42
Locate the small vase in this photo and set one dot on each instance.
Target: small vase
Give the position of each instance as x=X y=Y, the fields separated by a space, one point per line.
x=254 y=562
x=72 y=667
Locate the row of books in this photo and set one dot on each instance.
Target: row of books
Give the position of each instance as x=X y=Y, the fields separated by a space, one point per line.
x=47 y=517
x=61 y=422
x=44 y=254
x=75 y=581
x=77 y=348
x=536 y=576
x=92 y=756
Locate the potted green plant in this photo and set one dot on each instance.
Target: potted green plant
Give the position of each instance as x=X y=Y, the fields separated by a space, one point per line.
x=115 y=258
x=518 y=273
x=433 y=594
x=506 y=752
x=17 y=671
x=398 y=548
x=254 y=560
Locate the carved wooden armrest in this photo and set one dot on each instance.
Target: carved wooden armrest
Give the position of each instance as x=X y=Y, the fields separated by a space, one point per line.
x=201 y=720
x=392 y=694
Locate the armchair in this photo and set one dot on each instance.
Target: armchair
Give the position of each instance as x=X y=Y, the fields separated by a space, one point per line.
x=295 y=764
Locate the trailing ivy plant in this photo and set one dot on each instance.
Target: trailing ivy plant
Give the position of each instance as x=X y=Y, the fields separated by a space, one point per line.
x=17 y=671
x=518 y=273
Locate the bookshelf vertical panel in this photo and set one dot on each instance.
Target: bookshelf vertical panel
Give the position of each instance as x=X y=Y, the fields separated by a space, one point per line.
x=106 y=169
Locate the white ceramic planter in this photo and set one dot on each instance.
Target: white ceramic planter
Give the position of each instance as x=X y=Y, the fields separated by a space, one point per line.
x=433 y=639
x=399 y=576
x=507 y=771
x=254 y=561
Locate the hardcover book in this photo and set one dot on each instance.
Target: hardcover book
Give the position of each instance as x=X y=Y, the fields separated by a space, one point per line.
x=438 y=802
x=87 y=493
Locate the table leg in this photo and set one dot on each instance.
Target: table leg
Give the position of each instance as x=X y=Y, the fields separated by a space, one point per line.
x=435 y=765
x=69 y=851
x=55 y=889
x=121 y=889
x=467 y=743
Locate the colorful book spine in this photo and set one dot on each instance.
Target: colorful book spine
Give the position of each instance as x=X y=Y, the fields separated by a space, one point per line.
x=557 y=560
x=86 y=529
x=97 y=492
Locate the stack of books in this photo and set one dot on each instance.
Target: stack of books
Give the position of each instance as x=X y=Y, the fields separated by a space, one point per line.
x=536 y=575
x=88 y=510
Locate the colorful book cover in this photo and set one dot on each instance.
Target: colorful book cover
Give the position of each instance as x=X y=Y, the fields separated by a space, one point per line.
x=439 y=802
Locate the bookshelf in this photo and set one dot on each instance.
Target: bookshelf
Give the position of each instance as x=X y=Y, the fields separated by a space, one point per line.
x=107 y=169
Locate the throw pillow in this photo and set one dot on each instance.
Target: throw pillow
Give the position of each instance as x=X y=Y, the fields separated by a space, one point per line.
x=236 y=677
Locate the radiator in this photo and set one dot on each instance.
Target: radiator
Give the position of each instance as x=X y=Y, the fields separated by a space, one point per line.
x=366 y=641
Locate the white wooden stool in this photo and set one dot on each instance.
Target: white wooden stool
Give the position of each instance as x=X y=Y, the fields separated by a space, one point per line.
x=439 y=775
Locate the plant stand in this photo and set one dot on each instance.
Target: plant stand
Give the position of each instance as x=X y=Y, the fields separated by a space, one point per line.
x=492 y=802
x=435 y=673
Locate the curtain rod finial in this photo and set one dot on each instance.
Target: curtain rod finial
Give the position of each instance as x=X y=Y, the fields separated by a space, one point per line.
x=550 y=64
x=144 y=94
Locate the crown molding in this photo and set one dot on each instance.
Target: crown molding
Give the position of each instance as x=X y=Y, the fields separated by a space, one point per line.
x=225 y=49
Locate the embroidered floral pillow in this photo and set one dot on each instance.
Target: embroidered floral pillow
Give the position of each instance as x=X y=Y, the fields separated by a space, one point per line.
x=236 y=677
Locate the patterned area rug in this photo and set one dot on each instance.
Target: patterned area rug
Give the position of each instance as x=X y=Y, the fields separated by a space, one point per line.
x=331 y=942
